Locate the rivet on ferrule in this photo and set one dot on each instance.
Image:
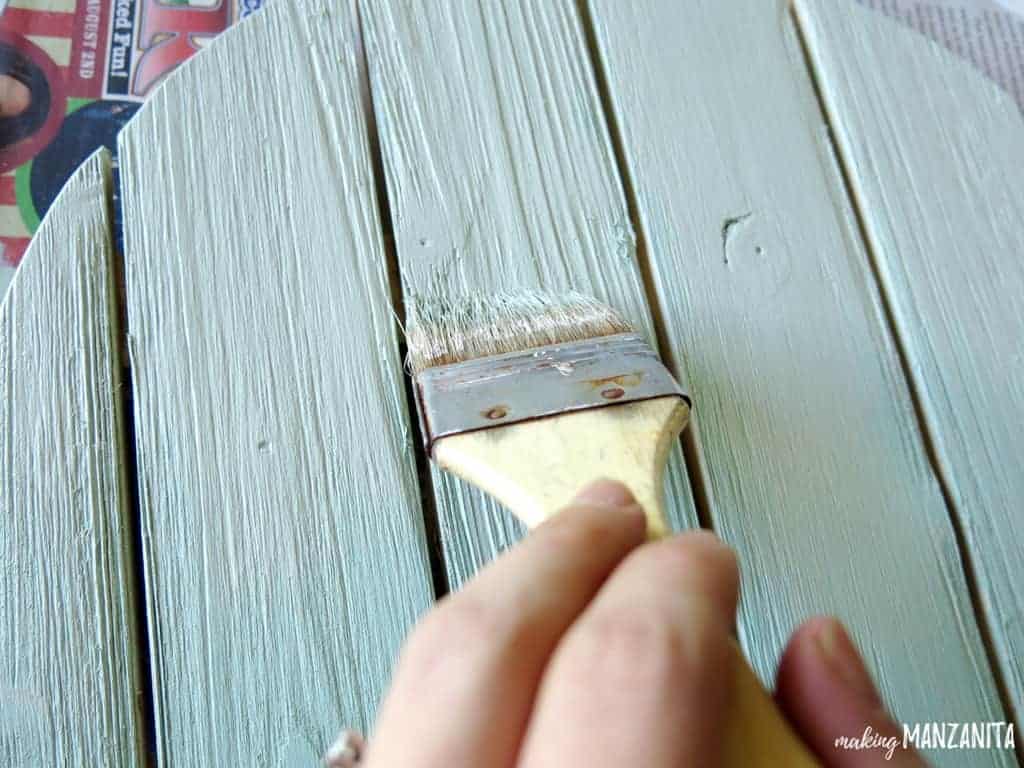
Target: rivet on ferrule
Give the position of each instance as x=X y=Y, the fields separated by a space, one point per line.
x=496 y=391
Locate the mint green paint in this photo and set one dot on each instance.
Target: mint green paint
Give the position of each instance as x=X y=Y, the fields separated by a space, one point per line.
x=935 y=151
x=285 y=553
x=817 y=471
x=68 y=671
x=520 y=190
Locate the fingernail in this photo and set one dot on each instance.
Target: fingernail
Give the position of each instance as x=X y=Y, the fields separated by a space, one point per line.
x=842 y=657
x=606 y=493
x=709 y=542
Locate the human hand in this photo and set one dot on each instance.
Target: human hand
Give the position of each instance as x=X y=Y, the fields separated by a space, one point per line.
x=584 y=645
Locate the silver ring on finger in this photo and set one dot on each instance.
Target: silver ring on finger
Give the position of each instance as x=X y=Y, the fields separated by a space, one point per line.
x=347 y=750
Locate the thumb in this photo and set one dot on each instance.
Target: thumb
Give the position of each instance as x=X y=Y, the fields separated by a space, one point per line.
x=827 y=693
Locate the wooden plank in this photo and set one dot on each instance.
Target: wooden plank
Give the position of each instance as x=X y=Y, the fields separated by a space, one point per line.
x=68 y=671
x=934 y=154
x=816 y=471
x=500 y=174
x=284 y=549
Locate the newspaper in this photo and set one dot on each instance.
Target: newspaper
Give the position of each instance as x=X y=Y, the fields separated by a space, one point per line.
x=81 y=68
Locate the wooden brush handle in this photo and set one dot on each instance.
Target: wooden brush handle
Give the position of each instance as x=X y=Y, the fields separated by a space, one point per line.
x=536 y=468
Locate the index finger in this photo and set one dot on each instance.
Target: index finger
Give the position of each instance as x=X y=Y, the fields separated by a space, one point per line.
x=466 y=681
x=643 y=676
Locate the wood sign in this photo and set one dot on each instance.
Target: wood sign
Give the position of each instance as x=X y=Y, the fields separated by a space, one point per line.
x=216 y=521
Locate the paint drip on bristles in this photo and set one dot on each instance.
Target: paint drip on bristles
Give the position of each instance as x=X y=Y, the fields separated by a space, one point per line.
x=442 y=331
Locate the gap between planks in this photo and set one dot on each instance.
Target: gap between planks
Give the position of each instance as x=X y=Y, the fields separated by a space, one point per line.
x=431 y=523
x=871 y=249
x=695 y=464
x=126 y=400
x=325 y=567
x=525 y=198
x=693 y=457
x=141 y=596
x=734 y=127
x=73 y=620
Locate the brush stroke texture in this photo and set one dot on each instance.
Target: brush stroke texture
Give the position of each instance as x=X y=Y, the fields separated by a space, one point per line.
x=68 y=670
x=816 y=469
x=500 y=175
x=935 y=154
x=284 y=550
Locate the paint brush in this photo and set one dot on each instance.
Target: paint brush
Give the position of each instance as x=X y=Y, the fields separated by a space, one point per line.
x=531 y=396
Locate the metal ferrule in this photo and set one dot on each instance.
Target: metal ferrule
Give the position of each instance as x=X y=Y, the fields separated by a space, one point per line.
x=496 y=391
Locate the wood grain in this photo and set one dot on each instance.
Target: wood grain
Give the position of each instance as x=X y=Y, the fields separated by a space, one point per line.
x=816 y=470
x=934 y=153
x=500 y=175
x=284 y=547
x=68 y=671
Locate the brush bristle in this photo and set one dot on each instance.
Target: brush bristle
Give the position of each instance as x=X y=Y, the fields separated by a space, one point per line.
x=444 y=331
